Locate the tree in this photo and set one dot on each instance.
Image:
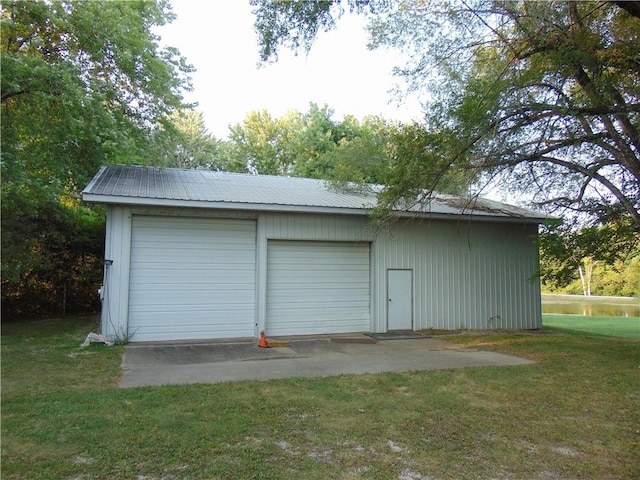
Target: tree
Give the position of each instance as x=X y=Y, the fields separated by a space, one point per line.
x=348 y=153
x=364 y=152
x=52 y=255
x=565 y=252
x=542 y=96
x=259 y=144
x=619 y=279
x=183 y=141
x=296 y=144
x=83 y=84
x=420 y=165
x=318 y=135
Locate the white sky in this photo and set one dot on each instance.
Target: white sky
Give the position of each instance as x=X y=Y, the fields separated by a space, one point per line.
x=218 y=39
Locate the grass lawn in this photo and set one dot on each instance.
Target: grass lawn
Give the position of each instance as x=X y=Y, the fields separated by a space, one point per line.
x=573 y=415
x=625 y=327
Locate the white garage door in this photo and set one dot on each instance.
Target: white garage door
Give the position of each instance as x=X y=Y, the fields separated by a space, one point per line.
x=191 y=278
x=317 y=287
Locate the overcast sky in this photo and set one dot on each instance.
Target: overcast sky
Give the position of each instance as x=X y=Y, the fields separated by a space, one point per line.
x=218 y=39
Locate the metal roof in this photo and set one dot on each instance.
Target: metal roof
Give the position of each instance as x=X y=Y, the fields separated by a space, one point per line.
x=136 y=185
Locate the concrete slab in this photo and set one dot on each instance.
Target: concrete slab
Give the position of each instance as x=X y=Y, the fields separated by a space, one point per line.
x=149 y=365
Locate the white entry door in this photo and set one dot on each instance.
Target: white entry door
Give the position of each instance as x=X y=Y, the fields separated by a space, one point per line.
x=399 y=299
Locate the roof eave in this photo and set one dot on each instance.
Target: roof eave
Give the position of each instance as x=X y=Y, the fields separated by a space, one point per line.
x=260 y=207
x=481 y=217
x=268 y=207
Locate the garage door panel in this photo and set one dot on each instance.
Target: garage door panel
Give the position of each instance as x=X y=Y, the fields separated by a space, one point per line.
x=334 y=278
x=191 y=278
x=340 y=316
x=185 y=303
x=195 y=291
x=180 y=315
x=173 y=257
x=219 y=275
x=177 y=260
x=197 y=279
x=318 y=304
x=297 y=289
x=317 y=287
x=321 y=297
x=333 y=291
x=166 y=333
x=200 y=243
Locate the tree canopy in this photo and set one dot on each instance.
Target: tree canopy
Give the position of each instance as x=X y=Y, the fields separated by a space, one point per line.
x=599 y=255
x=309 y=144
x=348 y=152
x=83 y=84
x=541 y=97
x=182 y=141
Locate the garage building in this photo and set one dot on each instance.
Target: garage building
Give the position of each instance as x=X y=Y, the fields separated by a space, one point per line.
x=195 y=254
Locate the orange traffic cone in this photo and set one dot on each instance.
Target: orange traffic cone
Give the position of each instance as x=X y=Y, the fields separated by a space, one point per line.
x=263 y=341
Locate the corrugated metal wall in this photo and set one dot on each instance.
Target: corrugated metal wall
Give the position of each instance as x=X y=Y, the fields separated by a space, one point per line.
x=466 y=275
x=472 y=275
x=346 y=228
x=115 y=290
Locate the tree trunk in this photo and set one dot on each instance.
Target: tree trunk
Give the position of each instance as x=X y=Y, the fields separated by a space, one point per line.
x=589 y=266
x=582 y=280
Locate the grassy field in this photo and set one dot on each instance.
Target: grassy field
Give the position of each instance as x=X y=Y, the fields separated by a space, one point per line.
x=625 y=327
x=573 y=415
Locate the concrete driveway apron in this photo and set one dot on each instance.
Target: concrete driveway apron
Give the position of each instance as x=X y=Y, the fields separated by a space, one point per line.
x=163 y=364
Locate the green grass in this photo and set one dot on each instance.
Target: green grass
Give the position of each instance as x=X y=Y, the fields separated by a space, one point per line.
x=625 y=327
x=575 y=414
